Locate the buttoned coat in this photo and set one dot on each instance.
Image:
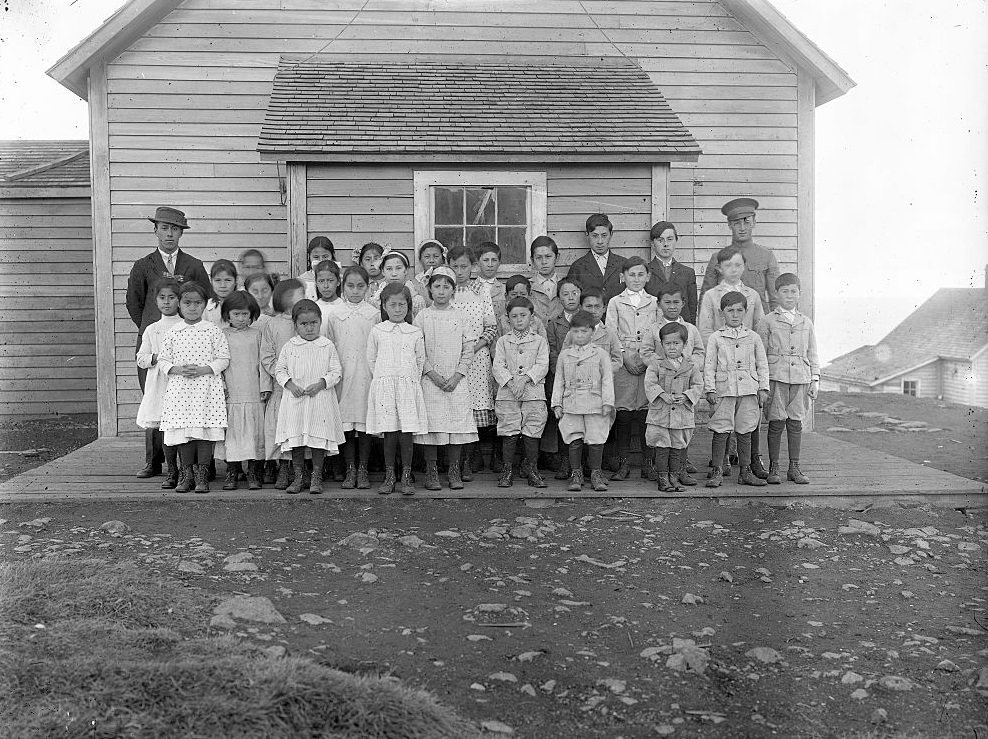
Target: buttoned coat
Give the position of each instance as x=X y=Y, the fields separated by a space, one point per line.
x=632 y=324
x=586 y=270
x=525 y=355
x=735 y=364
x=556 y=329
x=584 y=383
x=605 y=338
x=760 y=270
x=651 y=348
x=145 y=273
x=680 y=277
x=664 y=377
x=712 y=319
x=790 y=347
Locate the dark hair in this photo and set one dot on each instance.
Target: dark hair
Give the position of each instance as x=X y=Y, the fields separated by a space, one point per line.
x=257 y=277
x=431 y=244
x=786 y=278
x=727 y=253
x=733 y=298
x=167 y=282
x=519 y=303
x=670 y=289
x=252 y=253
x=543 y=241
x=281 y=290
x=222 y=265
x=515 y=280
x=390 y=290
x=460 y=251
x=369 y=246
x=674 y=327
x=592 y=292
x=433 y=277
x=193 y=287
x=355 y=269
x=320 y=241
x=581 y=319
x=633 y=262
x=303 y=307
x=487 y=246
x=328 y=265
x=597 y=220
x=661 y=227
x=240 y=300
x=569 y=281
x=397 y=255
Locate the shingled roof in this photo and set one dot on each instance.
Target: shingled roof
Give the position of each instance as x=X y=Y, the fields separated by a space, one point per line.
x=953 y=324
x=44 y=164
x=502 y=109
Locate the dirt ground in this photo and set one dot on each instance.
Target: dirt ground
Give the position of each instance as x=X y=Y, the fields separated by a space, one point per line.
x=945 y=436
x=592 y=619
x=25 y=445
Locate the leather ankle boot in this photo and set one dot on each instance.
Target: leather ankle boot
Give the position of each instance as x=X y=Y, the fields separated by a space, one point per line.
x=315 y=482
x=432 y=476
x=757 y=468
x=171 y=477
x=281 y=481
x=298 y=480
x=407 y=487
x=575 y=481
x=453 y=473
x=350 y=478
x=230 y=482
x=363 y=477
x=185 y=480
x=388 y=485
x=716 y=478
x=201 y=474
x=796 y=475
x=774 y=478
x=623 y=471
x=747 y=477
x=597 y=480
x=255 y=471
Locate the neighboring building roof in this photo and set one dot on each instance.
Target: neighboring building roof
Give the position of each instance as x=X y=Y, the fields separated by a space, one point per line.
x=953 y=324
x=43 y=164
x=495 y=109
x=137 y=16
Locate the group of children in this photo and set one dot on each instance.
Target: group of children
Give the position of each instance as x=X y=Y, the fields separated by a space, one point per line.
x=277 y=376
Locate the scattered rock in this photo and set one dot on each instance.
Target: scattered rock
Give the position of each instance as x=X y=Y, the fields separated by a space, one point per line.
x=411 y=541
x=615 y=686
x=360 y=540
x=692 y=600
x=240 y=567
x=248 y=608
x=896 y=683
x=838 y=430
x=968 y=546
x=114 y=527
x=982 y=681
x=39 y=522
x=966 y=631
x=860 y=694
x=764 y=654
x=193 y=568
x=850 y=678
x=947 y=666
x=879 y=716
x=497 y=727
x=539 y=503
x=275 y=651
x=687 y=657
x=527 y=689
x=548 y=686
x=478 y=637
x=665 y=730
x=904 y=561
x=491 y=607
x=809 y=542
x=504 y=677
x=856 y=526
x=448 y=534
x=238 y=557
x=898 y=549
x=522 y=532
x=528 y=656
x=314 y=619
x=726 y=576
x=367 y=577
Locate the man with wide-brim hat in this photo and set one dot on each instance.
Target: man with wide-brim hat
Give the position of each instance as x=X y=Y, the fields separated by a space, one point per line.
x=167 y=261
x=761 y=267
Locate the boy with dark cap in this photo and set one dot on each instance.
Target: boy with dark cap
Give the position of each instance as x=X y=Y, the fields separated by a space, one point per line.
x=794 y=372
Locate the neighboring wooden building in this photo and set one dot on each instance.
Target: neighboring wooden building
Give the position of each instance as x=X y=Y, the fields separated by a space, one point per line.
x=269 y=121
x=47 y=336
x=939 y=351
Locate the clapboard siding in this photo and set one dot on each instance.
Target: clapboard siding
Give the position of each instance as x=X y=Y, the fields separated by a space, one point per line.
x=47 y=316
x=186 y=100
x=928 y=377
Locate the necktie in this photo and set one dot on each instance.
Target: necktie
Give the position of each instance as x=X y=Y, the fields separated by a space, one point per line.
x=171 y=264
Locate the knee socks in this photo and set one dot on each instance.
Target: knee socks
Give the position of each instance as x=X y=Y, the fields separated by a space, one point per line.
x=318 y=457
x=622 y=432
x=187 y=452
x=204 y=451
x=755 y=441
x=532 y=451
x=744 y=449
x=794 y=435
x=718 y=448
x=576 y=454
x=676 y=457
x=508 y=446
x=661 y=458
x=171 y=456
x=405 y=444
x=390 y=447
x=453 y=455
x=774 y=439
x=350 y=449
x=595 y=456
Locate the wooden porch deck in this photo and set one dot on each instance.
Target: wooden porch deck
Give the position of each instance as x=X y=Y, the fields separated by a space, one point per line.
x=842 y=474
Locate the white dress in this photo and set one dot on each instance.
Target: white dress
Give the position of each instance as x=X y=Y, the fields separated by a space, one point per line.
x=312 y=422
x=328 y=310
x=213 y=313
x=349 y=329
x=149 y=414
x=396 y=356
x=194 y=407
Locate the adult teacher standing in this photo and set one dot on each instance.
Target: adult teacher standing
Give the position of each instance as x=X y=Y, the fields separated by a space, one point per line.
x=167 y=261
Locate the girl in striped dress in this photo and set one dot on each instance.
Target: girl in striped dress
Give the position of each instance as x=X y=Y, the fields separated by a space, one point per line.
x=396 y=408
x=223 y=281
x=309 y=416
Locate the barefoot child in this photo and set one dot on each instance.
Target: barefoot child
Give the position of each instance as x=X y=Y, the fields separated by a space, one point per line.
x=396 y=408
x=794 y=373
x=448 y=405
x=149 y=414
x=521 y=362
x=673 y=385
x=244 y=442
x=193 y=416
x=309 y=417
x=349 y=329
x=735 y=379
x=223 y=281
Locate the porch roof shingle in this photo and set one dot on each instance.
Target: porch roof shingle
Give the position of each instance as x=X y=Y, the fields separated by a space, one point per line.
x=497 y=109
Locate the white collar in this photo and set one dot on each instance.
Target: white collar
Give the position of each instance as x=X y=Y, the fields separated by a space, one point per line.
x=165 y=256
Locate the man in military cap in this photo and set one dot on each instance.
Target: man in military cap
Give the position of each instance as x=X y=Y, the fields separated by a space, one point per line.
x=167 y=261
x=761 y=267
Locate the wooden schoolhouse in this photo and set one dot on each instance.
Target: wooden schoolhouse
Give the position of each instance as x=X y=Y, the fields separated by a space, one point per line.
x=47 y=321
x=271 y=121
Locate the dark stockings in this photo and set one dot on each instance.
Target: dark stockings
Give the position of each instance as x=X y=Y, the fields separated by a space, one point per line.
x=196 y=452
x=357 y=447
x=392 y=441
x=662 y=459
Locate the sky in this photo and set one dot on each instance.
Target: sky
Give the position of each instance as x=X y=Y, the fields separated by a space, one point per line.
x=901 y=159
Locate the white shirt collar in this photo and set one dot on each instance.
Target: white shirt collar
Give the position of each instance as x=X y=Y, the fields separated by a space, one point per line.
x=165 y=256
x=601 y=259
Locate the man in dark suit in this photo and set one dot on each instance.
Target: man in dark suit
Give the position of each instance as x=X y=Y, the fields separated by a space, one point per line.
x=600 y=267
x=165 y=261
x=664 y=272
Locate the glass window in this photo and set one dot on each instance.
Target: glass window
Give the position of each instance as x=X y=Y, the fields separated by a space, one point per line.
x=472 y=214
x=910 y=387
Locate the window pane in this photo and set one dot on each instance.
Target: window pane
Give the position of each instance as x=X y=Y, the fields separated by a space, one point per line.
x=449 y=205
x=449 y=237
x=480 y=205
x=512 y=206
x=476 y=235
x=512 y=243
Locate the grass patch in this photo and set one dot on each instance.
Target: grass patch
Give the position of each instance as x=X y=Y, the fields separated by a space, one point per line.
x=125 y=655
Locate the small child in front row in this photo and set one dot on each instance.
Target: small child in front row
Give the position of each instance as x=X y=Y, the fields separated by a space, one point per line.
x=794 y=374
x=583 y=401
x=396 y=407
x=735 y=379
x=149 y=414
x=193 y=416
x=309 y=416
x=673 y=385
x=521 y=363
x=244 y=442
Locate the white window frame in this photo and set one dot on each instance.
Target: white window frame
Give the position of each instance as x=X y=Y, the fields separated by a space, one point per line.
x=423 y=203
x=915 y=382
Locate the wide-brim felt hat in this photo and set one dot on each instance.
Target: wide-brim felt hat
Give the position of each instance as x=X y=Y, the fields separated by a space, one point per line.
x=170 y=215
x=739 y=208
